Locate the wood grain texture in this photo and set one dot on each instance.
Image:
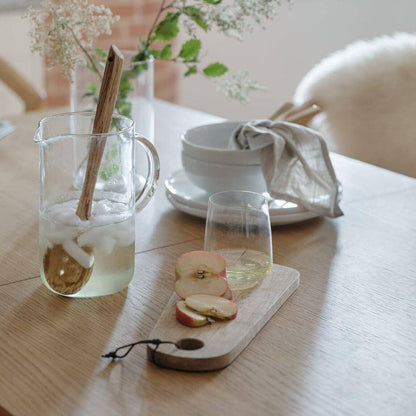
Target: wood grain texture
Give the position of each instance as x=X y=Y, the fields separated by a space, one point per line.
x=343 y=344
x=222 y=341
x=62 y=272
x=105 y=107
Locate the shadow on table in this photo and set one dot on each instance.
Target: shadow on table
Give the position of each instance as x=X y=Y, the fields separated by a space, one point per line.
x=58 y=340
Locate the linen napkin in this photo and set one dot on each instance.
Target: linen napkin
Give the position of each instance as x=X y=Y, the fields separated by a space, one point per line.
x=295 y=163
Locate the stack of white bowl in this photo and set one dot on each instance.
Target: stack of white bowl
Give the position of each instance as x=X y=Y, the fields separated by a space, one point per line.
x=210 y=165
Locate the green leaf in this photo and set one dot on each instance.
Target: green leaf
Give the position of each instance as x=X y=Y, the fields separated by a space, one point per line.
x=125 y=86
x=190 y=50
x=215 y=70
x=114 y=151
x=124 y=107
x=134 y=71
x=91 y=88
x=91 y=68
x=87 y=94
x=196 y=15
x=108 y=171
x=154 y=52
x=191 y=70
x=166 y=52
x=101 y=54
x=215 y=2
x=141 y=56
x=168 y=28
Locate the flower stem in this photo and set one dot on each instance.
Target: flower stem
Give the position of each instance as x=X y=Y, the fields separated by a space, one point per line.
x=88 y=56
x=155 y=21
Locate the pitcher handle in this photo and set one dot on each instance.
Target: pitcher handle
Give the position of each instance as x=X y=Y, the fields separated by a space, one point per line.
x=149 y=188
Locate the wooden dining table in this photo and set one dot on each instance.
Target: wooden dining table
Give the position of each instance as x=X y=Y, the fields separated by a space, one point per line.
x=344 y=343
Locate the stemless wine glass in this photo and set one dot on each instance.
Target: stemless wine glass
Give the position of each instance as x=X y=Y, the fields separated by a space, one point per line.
x=238 y=228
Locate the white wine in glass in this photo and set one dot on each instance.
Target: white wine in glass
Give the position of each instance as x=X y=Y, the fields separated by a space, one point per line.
x=238 y=228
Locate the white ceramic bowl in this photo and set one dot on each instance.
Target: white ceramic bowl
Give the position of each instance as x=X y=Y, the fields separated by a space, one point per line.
x=216 y=177
x=209 y=143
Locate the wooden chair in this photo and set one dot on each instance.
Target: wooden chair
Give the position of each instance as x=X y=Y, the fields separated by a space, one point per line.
x=32 y=98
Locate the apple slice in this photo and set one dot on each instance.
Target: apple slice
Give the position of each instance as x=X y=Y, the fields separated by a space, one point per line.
x=189 y=317
x=200 y=272
x=215 y=306
x=228 y=294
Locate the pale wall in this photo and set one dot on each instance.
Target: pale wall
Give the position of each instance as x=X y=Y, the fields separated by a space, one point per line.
x=280 y=56
x=277 y=57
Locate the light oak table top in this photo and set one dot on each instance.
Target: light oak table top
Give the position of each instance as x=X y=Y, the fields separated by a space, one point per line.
x=343 y=344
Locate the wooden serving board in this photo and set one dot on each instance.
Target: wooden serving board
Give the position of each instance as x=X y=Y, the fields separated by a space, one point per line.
x=222 y=341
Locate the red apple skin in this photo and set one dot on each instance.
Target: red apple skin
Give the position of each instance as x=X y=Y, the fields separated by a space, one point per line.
x=186 y=280
x=190 y=318
x=228 y=294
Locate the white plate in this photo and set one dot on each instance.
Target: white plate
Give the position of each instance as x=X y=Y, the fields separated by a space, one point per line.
x=179 y=186
x=188 y=198
x=274 y=219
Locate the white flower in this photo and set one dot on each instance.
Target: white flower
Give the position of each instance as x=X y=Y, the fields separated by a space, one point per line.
x=64 y=31
x=238 y=86
x=235 y=18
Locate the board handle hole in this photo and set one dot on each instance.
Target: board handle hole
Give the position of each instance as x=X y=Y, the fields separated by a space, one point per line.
x=189 y=344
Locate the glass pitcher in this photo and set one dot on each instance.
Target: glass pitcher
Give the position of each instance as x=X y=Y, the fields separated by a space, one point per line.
x=93 y=256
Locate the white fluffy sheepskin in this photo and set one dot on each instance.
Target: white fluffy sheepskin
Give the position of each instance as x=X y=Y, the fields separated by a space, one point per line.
x=368 y=94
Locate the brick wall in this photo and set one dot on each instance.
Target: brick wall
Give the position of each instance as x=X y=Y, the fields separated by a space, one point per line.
x=136 y=17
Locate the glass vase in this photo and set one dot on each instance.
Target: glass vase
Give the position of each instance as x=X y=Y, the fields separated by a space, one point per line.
x=135 y=99
x=137 y=80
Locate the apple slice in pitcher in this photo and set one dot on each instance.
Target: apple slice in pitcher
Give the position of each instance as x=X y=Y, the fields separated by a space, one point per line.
x=200 y=272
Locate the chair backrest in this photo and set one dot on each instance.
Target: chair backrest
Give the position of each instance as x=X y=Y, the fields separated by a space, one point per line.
x=32 y=98
x=367 y=94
